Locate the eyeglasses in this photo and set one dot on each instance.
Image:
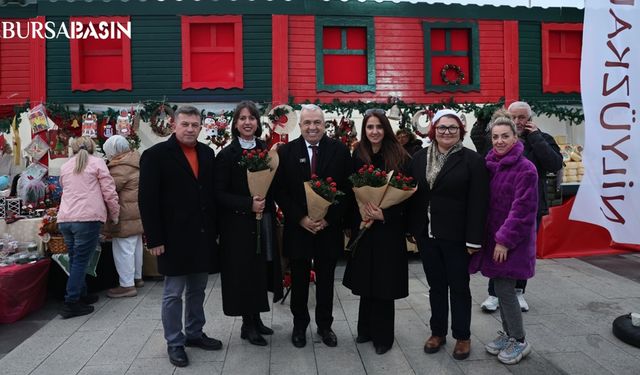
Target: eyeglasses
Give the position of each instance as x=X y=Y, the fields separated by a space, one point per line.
x=451 y=129
x=377 y=111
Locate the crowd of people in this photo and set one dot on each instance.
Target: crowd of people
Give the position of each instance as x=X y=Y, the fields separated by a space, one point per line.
x=472 y=211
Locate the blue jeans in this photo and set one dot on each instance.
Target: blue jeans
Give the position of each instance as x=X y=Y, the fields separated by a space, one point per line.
x=81 y=239
x=174 y=286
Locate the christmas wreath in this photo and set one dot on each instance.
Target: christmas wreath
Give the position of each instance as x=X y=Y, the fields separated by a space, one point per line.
x=160 y=120
x=459 y=74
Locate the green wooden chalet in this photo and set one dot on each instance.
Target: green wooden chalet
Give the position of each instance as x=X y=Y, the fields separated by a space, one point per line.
x=271 y=50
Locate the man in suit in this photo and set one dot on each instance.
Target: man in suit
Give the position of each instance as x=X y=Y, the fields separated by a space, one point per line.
x=178 y=212
x=306 y=240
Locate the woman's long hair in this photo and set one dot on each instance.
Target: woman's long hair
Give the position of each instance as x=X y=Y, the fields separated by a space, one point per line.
x=393 y=153
x=82 y=147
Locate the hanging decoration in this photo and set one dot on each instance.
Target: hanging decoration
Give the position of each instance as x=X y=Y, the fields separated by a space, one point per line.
x=160 y=121
x=217 y=129
x=283 y=119
x=38 y=119
x=343 y=131
x=90 y=125
x=123 y=124
x=459 y=74
x=58 y=144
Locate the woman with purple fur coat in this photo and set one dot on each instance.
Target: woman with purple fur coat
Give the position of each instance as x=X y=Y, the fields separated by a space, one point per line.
x=509 y=251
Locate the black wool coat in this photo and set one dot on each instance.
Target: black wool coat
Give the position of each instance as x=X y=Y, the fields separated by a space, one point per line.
x=245 y=275
x=334 y=161
x=459 y=198
x=379 y=266
x=178 y=210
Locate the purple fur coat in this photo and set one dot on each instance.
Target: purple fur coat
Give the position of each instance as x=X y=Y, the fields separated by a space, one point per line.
x=511 y=221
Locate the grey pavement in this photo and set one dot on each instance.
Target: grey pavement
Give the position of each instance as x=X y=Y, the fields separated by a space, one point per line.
x=573 y=304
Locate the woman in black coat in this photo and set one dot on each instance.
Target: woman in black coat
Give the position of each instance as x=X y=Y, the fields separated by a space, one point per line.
x=378 y=271
x=446 y=216
x=246 y=275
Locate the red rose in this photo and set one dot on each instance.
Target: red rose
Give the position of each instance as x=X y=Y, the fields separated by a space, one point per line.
x=333 y=190
x=378 y=174
x=245 y=152
x=314 y=176
x=329 y=179
x=384 y=173
x=318 y=184
x=405 y=188
x=332 y=184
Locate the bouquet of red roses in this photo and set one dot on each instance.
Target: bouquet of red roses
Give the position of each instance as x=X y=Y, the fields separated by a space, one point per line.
x=320 y=194
x=369 y=186
x=261 y=166
x=400 y=188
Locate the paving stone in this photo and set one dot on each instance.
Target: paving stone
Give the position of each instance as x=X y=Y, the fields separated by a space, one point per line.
x=427 y=364
x=489 y=366
x=30 y=354
x=244 y=358
x=608 y=354
x=73 y=355
x=576 y=363
x=125 y=343
x=149 y=366
x=104 y=370
x=535 y=364
x=204 y=368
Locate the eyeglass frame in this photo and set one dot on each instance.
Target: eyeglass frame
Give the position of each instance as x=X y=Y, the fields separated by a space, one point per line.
x=442 y=130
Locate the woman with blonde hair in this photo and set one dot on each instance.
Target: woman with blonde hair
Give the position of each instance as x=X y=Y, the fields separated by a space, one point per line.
x=509 y=251
x=124 y=166
x=89 y=198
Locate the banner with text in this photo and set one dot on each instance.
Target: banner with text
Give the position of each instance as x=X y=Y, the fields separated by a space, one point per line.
x=609 y=194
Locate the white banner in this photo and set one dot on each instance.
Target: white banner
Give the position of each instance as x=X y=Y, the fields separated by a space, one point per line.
x=609 y=195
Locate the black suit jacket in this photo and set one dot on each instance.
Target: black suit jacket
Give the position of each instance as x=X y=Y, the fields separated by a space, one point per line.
x=178 y=210
x=458 y=200
x=334 y=161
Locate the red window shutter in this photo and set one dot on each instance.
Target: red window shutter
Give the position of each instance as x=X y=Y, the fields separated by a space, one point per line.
x=100 y=64
x=459 y=41
x=212 y=52
x=341 y=66
x=561 y=54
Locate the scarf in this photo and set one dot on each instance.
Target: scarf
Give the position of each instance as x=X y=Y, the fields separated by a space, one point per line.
x=436 y=160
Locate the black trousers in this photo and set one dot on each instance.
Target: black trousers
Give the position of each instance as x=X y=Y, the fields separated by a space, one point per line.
x=446 y=265
x=324 y=270
x=376 y=320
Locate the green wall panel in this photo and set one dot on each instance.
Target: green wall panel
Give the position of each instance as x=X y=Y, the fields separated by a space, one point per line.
x=156 y=65
x=531 y=66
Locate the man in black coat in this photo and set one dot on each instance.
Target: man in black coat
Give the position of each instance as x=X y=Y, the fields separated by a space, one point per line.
x=304 y=239
x=178 y=212
x=543 y=151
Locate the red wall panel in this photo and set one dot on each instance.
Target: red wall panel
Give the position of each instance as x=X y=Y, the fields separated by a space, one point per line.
x=399 y=63
x=15 y=70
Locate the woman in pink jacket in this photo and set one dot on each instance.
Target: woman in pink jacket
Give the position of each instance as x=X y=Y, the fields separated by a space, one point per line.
x=89 y=198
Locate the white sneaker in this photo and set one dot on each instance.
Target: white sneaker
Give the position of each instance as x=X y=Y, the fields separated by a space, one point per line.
x=498 y=344
x=490 y=304
x=524 y=306
x=514 y=352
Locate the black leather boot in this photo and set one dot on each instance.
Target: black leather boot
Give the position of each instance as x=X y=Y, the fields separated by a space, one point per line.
x=250 y=332
x=262 y=329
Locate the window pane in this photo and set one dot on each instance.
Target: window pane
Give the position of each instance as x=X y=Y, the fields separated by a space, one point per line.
x=213 y=67
x=345 y=69
x=201 y=35
x=332 y=38
x=357 y=38
x=438 y=62
x=459 y=39
x=437 y=40
x=224 y=35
